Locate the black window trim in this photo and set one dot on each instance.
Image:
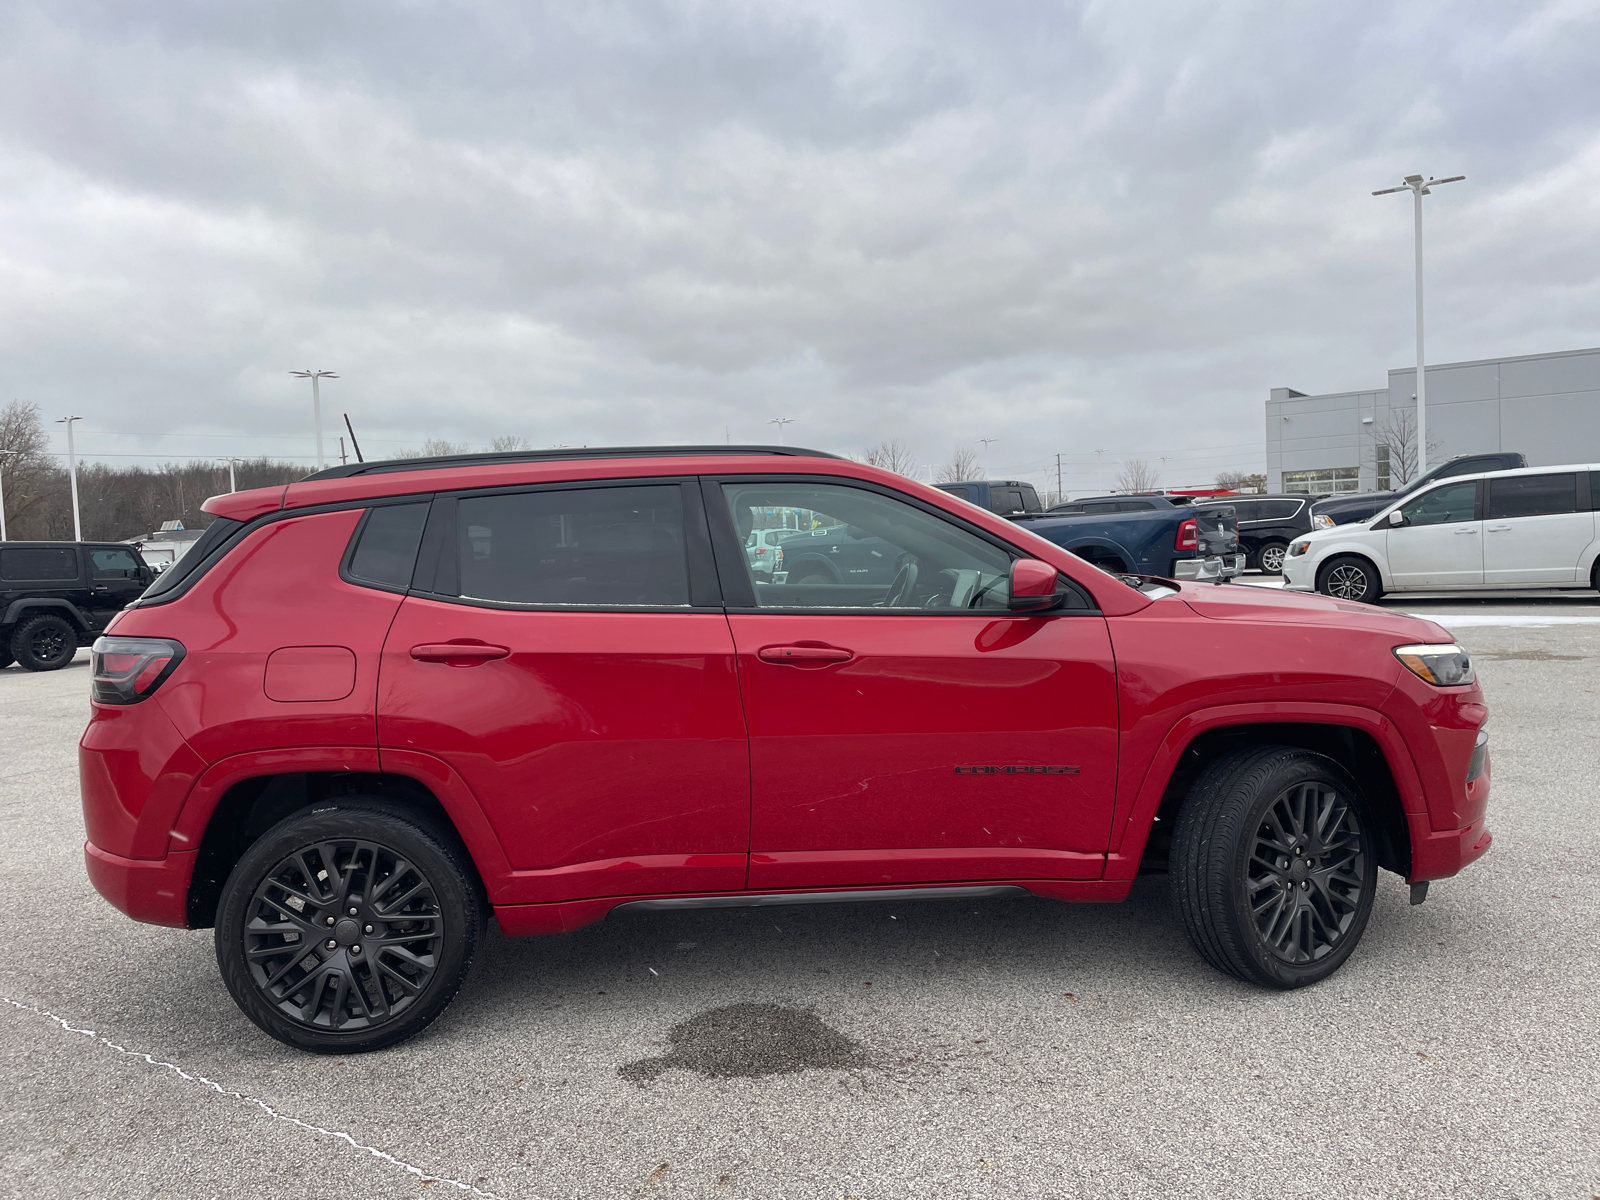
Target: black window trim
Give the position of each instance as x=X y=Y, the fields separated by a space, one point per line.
x=349 y=556
x=736 y=585
x=437 y=573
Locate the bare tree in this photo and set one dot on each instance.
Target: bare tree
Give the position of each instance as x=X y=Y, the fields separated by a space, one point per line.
x=1395 y=437
x=1137 y=476
x=891 y=456
x=508 y=442
x=963 y=464
x=1241 y=481
x=437 y=448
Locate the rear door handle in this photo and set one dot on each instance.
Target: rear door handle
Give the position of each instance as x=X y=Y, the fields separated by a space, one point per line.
x=801 y=656
x=1498 y=528
x=459 y=654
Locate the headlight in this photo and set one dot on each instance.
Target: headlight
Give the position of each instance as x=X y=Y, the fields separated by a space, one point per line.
x=1445 y=665
x=1322 y=521
x=1298 y=549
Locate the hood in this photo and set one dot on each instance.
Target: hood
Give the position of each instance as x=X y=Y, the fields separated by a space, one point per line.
x=1239 y=602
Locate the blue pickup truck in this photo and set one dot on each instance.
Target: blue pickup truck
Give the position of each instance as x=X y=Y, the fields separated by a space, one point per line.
x=1132 y=535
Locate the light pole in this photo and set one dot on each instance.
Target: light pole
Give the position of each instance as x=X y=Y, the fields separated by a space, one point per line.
x=986 y=442
x=316 y=404
x=1418 y=187
x=4 y=454
x=231 y=486
x=780 y=422
x=1099 y=472
x=72 y=472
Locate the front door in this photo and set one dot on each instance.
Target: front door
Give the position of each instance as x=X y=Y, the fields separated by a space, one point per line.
x=115 y=581
x=912 y=729
x=584 y=688
x=1440 y=544
x=1535 y=533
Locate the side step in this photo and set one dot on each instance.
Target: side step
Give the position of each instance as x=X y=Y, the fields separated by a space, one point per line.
x=753 y=900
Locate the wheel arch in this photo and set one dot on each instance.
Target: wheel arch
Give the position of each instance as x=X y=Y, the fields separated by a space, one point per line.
x=1091 y=549
x=1378 y=562
x=1363 y=742
x=811 y=559
x=20 y=610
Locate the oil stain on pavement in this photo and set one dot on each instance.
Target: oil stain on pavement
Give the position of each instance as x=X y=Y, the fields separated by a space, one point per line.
x=750 y=1040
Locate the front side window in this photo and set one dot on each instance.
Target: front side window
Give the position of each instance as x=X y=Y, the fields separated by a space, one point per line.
x=1441 y=506
x=583 y=547
x=1532 y=496
x=114 y=564
x=39 y=564
x=874 y=552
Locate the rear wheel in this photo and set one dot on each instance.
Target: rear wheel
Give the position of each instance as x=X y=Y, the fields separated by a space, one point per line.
x=44 y=643
x=1350 y=578
x=1270 y=557
x=1273 y=867
x=348 y=928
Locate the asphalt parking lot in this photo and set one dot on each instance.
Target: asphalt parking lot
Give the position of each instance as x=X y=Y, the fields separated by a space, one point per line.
x=1008 y=1048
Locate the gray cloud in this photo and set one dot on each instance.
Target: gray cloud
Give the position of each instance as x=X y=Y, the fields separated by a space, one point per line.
x=1066 y=226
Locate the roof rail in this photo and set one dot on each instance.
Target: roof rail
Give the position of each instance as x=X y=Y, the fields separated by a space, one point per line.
x=490 y=458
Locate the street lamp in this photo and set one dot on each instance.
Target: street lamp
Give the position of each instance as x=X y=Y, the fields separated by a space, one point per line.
x=4 y=454
x=1418 y=187
x=72 y=471
x=231 y=462
x=316 y=404
x=780 y=422
x=1099 y=471
x=986 y=442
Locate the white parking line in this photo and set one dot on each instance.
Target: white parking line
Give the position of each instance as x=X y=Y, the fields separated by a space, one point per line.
x=336 y=1134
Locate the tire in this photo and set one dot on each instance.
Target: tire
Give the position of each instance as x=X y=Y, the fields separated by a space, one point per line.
x=44 y=643
x=1350 y=577
x=1269 y=559
x=368 y=990
x=1271 y=920
x=5 y=659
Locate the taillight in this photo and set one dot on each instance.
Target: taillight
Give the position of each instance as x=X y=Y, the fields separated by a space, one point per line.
x=127 y=669
x=1188 y=535
x=761 y=551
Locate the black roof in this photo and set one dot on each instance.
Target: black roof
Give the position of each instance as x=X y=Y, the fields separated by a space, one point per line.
x=515 y=456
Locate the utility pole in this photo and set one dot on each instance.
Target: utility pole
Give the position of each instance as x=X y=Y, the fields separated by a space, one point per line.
x=780 y=422
x=231 y=486
x=1060 y=493
x=986 y=442
x=1099 y=470
x=1419 y=188
x=342 y=458
x=72 y=471
x=316 y=404
x=4 y=454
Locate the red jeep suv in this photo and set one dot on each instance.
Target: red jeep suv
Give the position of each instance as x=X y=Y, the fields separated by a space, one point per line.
x=368 y=708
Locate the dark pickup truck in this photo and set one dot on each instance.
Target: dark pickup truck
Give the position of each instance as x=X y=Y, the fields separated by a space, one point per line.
x=56 y=596
x=1344 y=510
x=1146 y=535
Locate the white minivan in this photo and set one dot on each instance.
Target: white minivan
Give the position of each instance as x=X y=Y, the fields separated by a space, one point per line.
x=1529 y=528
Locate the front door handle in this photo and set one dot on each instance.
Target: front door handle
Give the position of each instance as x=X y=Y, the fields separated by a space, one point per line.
x=1459 y=532
x=459 y=654
x=802 y=656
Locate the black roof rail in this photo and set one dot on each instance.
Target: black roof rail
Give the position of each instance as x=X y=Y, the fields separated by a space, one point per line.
x=490 y=458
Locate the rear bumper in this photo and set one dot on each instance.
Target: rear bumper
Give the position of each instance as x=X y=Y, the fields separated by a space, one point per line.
x=1216 y=567
x=155 y=890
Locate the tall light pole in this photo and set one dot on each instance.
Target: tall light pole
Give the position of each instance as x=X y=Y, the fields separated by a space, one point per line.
x=72 y=472
x=986 y=442
x=316 y=404
x=4 y=454
x=1418 y=187
x=231 y=486
x=780 y=422
x=1099 y=471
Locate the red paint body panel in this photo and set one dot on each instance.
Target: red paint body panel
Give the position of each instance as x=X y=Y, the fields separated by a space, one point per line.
x=302 y=674
x=134 y=771
x=153 y=890
x=244 y=506
x=603 y=736
x=188 y=823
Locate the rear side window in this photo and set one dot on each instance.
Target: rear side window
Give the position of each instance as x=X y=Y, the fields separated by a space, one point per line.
x=1135 y=506
x=963 y=493
x=39 y=564
x=1532 y=496
x=1274 y=510
x=583 y=547
x=387 y=551
x=114 y=564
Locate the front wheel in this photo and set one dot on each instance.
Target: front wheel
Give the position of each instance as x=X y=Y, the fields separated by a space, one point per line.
x=1350 y=578
x=1270 y=557
x=1273 y=866
x=348 y=928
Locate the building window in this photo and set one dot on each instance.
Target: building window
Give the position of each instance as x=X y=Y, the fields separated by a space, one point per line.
x=1380 y=455
x=1329 y=479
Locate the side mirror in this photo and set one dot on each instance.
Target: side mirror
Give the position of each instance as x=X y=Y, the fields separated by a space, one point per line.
x=1033 y=585
x=1396 y=518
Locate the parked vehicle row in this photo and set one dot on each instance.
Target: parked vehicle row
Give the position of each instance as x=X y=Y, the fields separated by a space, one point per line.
x=376 y=705
x=56 y=596
x=1528 y=528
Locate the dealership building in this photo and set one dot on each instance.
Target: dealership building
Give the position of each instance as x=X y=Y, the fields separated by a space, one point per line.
x=1545 y=405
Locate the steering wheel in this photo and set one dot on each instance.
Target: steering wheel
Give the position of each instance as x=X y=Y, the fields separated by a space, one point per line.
x=905 y=581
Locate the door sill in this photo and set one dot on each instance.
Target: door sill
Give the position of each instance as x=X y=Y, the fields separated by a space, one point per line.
x=848 y=896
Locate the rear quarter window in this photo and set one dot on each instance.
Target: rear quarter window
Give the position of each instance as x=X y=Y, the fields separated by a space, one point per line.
x=39 y=564
x=386 y=545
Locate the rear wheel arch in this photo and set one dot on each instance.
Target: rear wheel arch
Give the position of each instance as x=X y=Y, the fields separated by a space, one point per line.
x=1356 y=750
x=250 y=807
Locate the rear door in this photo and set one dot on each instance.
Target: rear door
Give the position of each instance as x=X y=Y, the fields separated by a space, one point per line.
x=568 y=656
x=1537 y=528
x=913 y=729
x=1441 y=543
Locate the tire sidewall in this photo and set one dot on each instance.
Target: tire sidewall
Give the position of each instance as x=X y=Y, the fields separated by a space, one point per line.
x=441 y=863
x=1303 y=767
x=1374 y=584
x=22 y=651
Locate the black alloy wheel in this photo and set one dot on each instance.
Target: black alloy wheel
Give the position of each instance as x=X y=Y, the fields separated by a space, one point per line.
x=1270 y=558
x=1350 y=578
x=348 y=928
x=1273 y=866
x=44 y=643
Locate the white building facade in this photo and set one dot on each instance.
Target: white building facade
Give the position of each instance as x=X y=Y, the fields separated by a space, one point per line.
x=1545 y=405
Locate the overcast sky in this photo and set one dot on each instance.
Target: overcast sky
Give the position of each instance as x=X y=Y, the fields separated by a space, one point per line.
x=1063 y=226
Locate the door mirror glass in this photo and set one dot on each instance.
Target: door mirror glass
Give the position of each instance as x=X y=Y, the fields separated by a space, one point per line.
x=1033 y=585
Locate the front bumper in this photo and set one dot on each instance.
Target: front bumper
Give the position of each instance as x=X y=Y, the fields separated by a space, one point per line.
x=1206 y=569
x=155 y=890
x=1299 y=574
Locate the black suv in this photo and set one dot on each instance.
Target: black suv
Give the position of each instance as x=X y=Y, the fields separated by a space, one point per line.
x=1267 y=524
x=56 y=596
